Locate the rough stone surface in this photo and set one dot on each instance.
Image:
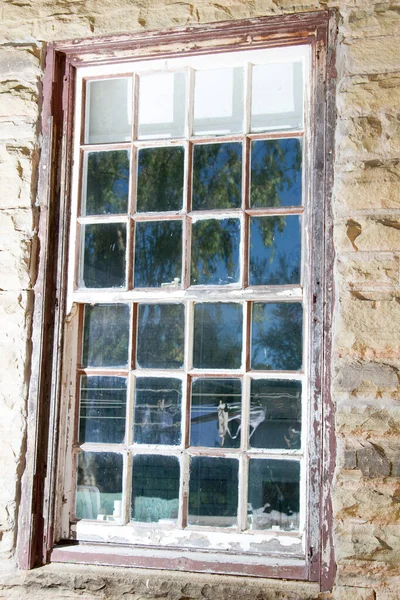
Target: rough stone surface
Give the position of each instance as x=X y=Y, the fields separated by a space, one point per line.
x=366 y=348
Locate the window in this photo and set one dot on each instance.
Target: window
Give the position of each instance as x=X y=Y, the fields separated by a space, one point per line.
x=190 y=404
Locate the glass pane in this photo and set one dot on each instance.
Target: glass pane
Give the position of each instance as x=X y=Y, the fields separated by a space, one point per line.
x=158 y=253
x=277 y=336
x=274 y=498
x=277 y=96
x=106 y=335
x=213 y=491
x=275 y=414
x=104 y=255
x=216 y=413
x=276 y=167
x=162 y=105
x=275 y=250
x=158 y=406
x=155 y=489
x=218 y=101
x=109 y=104
x=99 y=491
x=215 y=252
x=102 y=410
x=217 y=336
x=160 y=179
x=107 y=182
x=217 y=176
x=160 y=341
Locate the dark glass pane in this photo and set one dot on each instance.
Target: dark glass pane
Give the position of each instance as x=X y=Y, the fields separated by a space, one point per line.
x=213 y=491
x=217 y=336
x=107 y=182
x=275 y=414
x=275 y=173
x=215 y=414
x=102 y=409
x=275 y=250
x=274 y=494
x=217 y=176
x=158 y=406
x=155 y=489
x=215 y=252
x=160 y=341
x=99 y=491
x=104 y=256
x=106 y=335
x=277 y=336
x=160 y=179
x=158 y=253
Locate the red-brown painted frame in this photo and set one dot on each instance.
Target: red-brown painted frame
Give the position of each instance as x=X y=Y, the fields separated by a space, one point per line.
x=38 y=488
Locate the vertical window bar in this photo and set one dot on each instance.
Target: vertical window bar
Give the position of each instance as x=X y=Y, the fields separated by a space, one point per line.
x=130 y=409
x=126 y=491
x=135 y=107
x=189 y=324
x=243 y=484
x=190 y=102
x=128 y=480
x=246 y=382
x=184 y=491
x=247 y=97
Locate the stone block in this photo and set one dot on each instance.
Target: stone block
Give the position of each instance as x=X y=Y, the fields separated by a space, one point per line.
x=357 y=540
x=367 y=95
x=372 y=55
x=22 y=62
x=19 y=99
x=367 y=378
x=365 y=270
x=368 y=234
x=366 y=417
x=368 y=187
x=372 y=19
x=372 y=461
x=365 y=330
x=371 y=136
x=352 y=593
x=15 y=176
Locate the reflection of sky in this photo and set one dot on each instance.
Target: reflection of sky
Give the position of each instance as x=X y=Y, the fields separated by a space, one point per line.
x=279 y=263
x=275 y=160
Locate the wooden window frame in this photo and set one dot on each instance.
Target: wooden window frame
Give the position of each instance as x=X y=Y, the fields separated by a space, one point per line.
x=40 y=492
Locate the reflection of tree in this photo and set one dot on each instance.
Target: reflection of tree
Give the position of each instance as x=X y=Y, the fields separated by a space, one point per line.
x=215 y=249
x=160 y=179
x=277 y=335
x=160 y=336
x=104 y=261
x=217 y=336
x=275 y=171
x=106 y=335
x=285 y=273
x=217 y=176
x=158 y=252
x=107 y=182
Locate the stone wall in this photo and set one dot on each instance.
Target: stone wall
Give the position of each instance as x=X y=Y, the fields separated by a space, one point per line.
x=366 y=206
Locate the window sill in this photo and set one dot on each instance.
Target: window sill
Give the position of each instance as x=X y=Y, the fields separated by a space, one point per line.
x=179 y=560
